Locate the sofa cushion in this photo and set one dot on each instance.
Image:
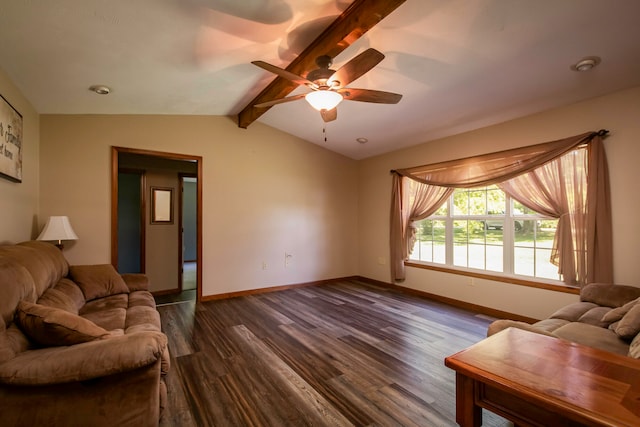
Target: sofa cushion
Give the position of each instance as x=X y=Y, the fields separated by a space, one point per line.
x=619 y=312
x=609 y=295
x=109 y=319
x=141 y=315
x=629 y=325
x=51 y=255
x=51 y=326
x=12 y=342
x=58 y=299
x=106 y=303
x=550 y=325
x=595 y=316
x=17 y=285
x=144 y=298
x=44 y=262
x=72 y=290
x=97 y=281
x=592 y=336
x=573 y=312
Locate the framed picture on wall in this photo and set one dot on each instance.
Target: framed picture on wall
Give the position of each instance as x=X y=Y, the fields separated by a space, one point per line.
x=161 y=205
x=10 y=142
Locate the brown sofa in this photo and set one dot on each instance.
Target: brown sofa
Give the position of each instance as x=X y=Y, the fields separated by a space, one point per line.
x=79 y=345
x=607 y=317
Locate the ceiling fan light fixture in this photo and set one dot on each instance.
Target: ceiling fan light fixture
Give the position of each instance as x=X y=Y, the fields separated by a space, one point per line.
x=323 y=99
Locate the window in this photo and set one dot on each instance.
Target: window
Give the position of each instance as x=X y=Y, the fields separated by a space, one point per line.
x=484 y=229
x=551 y=177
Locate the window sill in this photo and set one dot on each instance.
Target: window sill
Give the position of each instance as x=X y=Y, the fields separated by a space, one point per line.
x=497 y=278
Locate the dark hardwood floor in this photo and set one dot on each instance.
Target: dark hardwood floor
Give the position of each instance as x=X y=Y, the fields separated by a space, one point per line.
x=343 y=354
x=189 y=285
x=184 y=296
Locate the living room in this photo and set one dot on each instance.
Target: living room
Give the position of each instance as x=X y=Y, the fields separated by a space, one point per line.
x=267 y=193
x=347 y=211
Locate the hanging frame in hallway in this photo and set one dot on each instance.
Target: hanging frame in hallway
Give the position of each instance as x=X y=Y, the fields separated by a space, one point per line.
x=161 y=205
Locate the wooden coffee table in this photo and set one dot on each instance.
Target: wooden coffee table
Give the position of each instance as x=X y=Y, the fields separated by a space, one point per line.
x=537 y=380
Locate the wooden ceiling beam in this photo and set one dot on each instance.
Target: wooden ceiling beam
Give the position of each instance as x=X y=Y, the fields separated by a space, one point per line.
x=353 y=23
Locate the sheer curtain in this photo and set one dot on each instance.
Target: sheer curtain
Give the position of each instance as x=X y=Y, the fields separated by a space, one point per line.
x=558 y=189
x=550 y=178
x=411 y=201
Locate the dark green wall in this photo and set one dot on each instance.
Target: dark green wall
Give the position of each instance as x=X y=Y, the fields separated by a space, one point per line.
x=189 y=220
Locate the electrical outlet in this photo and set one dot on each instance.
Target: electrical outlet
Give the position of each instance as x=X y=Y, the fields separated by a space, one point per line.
x=287 y=259
x=264 y=265
x=382 y=260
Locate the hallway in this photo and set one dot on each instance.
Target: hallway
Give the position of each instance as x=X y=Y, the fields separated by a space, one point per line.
x=189 y=286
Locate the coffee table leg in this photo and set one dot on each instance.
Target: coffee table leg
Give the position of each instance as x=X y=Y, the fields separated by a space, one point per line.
x=468 y=414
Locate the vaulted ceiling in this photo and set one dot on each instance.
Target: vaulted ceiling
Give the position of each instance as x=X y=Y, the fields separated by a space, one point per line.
x=459 y=64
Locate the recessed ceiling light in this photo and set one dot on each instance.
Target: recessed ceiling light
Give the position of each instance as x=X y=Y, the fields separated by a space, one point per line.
x=586 y=64
x=362 y=140
x=100 y=89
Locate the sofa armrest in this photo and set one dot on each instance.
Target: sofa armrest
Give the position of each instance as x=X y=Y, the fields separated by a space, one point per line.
x=136 y=281
x=502 y=324
x=81 y=362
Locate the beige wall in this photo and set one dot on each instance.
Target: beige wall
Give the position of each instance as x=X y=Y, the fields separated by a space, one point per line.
x=267 y=193
x=264 y=193
x=19 y=201
x=618 y=112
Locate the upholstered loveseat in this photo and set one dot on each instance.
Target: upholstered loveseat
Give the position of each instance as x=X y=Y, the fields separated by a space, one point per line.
x=79 y=345
x=606 y=317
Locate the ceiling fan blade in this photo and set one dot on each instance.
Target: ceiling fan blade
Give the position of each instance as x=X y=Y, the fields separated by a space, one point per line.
x=367 y=95
x=285 y=74
x=356 y=67
x=358 y=18
x=329 y=115
x=279 y=101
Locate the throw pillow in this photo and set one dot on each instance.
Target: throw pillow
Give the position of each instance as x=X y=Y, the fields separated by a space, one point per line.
x=619 y=312
x=98 y=281
x=49 y=326
x=629 y=325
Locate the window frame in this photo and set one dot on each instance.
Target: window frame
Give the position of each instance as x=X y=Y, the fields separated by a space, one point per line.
x=509 y=245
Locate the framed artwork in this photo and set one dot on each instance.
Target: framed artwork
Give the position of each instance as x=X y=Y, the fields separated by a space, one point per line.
x=10 y=142
x=161 y=205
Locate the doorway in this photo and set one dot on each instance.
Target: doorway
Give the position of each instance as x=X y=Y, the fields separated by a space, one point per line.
x=145 y=243
x=189 y=232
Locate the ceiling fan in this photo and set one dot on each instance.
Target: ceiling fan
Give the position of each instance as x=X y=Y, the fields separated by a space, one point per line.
x=328 y=86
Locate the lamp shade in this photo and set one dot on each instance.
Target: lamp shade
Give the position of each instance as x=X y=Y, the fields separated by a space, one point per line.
x=58 y=228
x=323 y=99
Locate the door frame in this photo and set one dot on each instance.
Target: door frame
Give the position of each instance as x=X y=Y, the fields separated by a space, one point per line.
x=114 y=204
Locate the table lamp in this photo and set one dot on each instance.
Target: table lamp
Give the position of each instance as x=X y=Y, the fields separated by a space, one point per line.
x=58 y=228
